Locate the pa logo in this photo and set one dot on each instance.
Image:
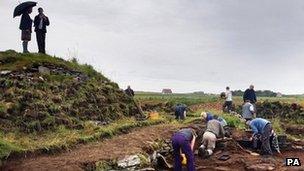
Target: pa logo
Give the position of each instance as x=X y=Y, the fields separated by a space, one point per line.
x=293 y=162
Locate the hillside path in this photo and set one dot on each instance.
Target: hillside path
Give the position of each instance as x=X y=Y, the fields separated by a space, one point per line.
x=118 y=146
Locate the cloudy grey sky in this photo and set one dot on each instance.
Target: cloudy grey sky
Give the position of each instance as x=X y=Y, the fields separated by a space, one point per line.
x=186 y=45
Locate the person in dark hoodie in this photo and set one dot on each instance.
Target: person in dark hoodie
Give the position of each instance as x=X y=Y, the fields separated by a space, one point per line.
x=40 y=23
x=250 y=95
x=26 y=29
x=129 y=91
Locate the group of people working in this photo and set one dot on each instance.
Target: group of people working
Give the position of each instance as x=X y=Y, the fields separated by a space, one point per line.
x=41 y=21
x=249 y=95
x=264 y=138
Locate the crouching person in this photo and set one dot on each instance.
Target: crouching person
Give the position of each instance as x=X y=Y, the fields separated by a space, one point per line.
x=183 y=143
x=180 y=111
x=206 y=116
x=214 y=130
x=263 y=132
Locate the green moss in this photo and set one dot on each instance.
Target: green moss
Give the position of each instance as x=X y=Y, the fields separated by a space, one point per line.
x=276 y=124
x=7 y=148
x=101 y=166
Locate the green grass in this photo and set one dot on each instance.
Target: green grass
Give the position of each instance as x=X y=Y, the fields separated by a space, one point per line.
x=7 y=148
x=63 y=138
x=188 y=99
x=18 y=61
x=277 y=126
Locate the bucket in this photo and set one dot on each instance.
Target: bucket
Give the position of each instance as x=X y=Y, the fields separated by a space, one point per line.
x=154 y=115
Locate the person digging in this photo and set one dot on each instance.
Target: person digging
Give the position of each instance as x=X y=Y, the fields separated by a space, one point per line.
x=183 y=145
x=264 y=135
x=214 y=131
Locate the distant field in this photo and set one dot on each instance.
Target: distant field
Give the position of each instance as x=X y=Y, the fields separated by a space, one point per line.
x=188 y=99
x=192 y=98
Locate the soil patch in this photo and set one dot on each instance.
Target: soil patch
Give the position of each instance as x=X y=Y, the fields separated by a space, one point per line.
x=116 y=147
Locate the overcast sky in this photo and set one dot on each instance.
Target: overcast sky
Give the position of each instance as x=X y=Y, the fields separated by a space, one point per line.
x=185 y=45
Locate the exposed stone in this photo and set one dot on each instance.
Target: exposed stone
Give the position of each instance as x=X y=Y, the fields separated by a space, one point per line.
x=261 y=167
x=44 y=70
x=147 y=169
x=129 y=161
x=5 y=72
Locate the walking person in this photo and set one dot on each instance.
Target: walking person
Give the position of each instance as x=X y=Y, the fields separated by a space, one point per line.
x=40 y=23
x=228 y=102
x=26 y=28
x=183 y=143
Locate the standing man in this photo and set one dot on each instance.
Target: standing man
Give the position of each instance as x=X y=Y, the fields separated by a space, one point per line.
x=250 y=95
x=26 y=29
x=228 y=101
x=129 y=91
x=40 y=23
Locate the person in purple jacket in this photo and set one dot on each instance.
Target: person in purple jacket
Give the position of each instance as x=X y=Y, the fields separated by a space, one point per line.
x=183 y=142
x=267 y=136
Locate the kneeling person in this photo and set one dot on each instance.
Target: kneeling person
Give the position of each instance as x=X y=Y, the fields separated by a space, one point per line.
x=214 y=130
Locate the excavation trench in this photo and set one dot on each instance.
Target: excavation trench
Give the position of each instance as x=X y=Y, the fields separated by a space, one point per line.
x=232 y=153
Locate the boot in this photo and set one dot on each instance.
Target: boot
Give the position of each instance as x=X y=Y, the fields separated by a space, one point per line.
x=24 y=44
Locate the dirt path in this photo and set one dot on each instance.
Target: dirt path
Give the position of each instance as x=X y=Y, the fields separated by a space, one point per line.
x=118 y=146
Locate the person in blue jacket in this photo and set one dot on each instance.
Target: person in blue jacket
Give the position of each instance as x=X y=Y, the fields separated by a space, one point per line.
x=207 y=116
x=263 y=128
x=180 y=111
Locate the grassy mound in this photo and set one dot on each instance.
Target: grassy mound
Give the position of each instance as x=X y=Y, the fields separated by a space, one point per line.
x=40 y=92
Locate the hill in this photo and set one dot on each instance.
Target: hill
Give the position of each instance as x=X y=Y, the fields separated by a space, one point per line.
x=40 y=92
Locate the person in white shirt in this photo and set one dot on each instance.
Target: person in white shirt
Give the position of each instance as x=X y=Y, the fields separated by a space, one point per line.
x=41 y=21
x=228 y=102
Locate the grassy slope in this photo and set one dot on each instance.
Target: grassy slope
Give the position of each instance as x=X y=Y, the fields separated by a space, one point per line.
x=17 y=61
x=108 y=103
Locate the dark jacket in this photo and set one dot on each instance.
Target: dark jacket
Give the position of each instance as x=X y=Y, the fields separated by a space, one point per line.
x=26 y=22
x=129 y=92
x=180 y=109
x=250 y=95
x=45 y=23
